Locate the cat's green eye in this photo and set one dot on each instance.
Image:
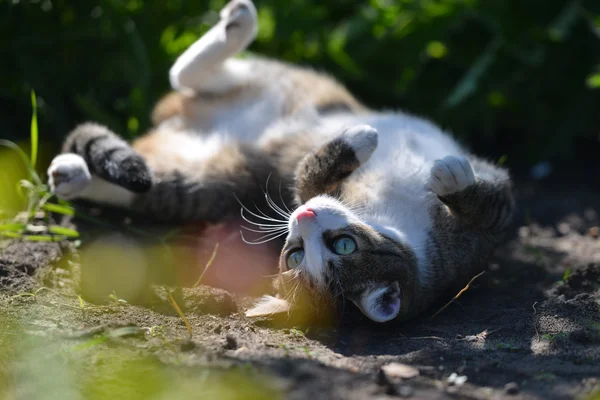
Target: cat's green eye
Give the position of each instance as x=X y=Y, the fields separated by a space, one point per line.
x=295 y=258
x=344 y=245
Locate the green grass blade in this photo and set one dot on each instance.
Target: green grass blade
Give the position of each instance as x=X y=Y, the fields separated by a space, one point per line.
x=23 y=156
x=34 y=130
x=12 y=235
x=61 y=230
x=15 y=227
x=58 y=209
x=42 y=238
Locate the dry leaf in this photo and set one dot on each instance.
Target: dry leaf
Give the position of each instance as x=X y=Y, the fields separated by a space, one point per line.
x=397 y=370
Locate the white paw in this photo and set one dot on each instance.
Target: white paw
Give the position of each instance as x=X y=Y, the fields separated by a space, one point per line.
x=241 y=20
x=68 y=175
x=363 y=140
x=451 y=175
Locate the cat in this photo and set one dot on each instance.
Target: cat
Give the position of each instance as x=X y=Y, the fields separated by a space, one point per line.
x=389 y=210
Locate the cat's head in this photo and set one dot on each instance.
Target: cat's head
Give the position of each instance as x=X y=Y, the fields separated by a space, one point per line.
x=333 y=253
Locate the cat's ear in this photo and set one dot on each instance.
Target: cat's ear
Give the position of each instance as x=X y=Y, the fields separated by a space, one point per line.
x=268 y=305
x=380 y=302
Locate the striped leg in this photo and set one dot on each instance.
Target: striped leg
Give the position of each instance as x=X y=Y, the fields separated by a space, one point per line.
x=97 y=165
x=321 y=172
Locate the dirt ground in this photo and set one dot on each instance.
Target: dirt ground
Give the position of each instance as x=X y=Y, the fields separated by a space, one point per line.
x=529 y=328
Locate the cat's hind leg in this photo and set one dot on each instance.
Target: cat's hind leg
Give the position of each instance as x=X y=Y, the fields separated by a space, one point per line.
x=203 y=66
x=476 y=192
x=322 y=171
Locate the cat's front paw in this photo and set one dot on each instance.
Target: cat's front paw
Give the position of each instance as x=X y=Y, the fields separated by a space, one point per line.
x=241 y=20
x=68 y=175
x=451 y=175
x=363 y=141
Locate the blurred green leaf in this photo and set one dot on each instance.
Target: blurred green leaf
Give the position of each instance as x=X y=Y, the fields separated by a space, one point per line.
x=436 y=49
x=13 y=227
x=61 y=230
x=58 y=209
x=34 y=130
x=593 y=81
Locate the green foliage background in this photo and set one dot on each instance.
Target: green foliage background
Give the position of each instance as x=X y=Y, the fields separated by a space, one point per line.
x=513 y=77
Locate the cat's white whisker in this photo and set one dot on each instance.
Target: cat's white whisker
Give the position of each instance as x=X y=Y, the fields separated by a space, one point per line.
x=272 y=203
x=264 y=218
x=283 y=201
x=265 y=230
x=267 y=238
x=275 y=207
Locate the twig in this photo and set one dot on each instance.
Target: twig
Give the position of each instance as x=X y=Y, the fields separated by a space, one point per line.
x=181 y=314
x=426 y=337
x=210 y=261
x=537 y=333
x=459 y=294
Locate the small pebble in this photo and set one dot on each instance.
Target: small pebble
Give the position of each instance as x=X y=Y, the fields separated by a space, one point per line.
x=524 y=231
x=230 y=342
x=398 y=370
x=457 y=380
x=511 y=388
x=564 y=228
x=405 y=391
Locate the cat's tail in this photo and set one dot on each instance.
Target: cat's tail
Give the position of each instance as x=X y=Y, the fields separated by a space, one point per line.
x=98 y=165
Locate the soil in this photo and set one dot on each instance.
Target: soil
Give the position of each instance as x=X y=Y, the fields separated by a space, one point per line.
x=529 y=328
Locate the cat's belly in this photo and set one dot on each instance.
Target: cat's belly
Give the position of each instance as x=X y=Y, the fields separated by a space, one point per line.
x=399 y=135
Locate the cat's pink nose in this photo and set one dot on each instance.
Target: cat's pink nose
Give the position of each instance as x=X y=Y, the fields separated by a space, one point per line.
x=306 y=213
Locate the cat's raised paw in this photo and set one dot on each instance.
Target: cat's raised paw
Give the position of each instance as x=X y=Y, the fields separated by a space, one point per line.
x=450 y=175
x=241 y=19
x=363 y=140
x=68 y=175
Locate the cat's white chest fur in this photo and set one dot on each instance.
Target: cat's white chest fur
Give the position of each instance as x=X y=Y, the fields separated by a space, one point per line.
x=392 y=187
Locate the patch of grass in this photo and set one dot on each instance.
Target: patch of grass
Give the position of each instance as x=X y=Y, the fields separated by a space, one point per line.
x=116 y=299
x=552 y=337
x=297 y=333
x=30 y=294
x=36 y=195
x=155 y=331
x=285 y=348
x=307 y=352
